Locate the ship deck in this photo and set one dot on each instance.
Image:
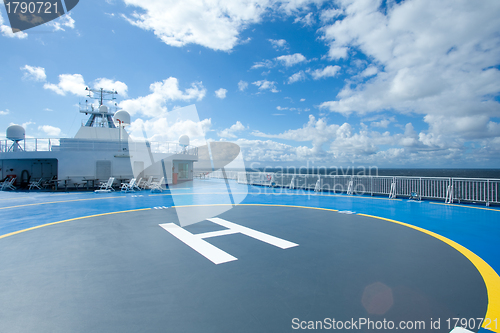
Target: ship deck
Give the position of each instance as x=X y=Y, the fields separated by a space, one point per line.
x=279 y=261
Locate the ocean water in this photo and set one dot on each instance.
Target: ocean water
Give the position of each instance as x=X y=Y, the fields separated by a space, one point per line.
x=454 y=173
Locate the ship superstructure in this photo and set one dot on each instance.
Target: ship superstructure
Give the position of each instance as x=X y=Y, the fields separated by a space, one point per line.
x=100 y=149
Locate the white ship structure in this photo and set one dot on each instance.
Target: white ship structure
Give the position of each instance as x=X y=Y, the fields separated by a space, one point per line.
x=100 y=149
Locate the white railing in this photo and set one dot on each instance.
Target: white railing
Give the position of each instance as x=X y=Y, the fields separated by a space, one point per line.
x=31 y=145
x=219 y=174
x=473 y=190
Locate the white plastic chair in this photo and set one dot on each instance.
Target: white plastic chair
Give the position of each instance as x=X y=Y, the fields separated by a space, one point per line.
x=147 y=184
x=136 y=185
x=106 y=186
x=37 y=184
x=128 y=187
x=157 y=186
x=9 y=184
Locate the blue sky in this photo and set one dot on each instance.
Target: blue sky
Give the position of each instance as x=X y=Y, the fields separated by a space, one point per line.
x=412 y=83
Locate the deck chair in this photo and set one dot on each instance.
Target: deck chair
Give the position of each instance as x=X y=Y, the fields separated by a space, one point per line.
x=414 y=196
x=128 y=187
x=9 y=184
x=147 y=184
x=106 y=186
x=6 y=179
x=35 y=184
x=49 y=183
x=136 y=185
x=157 y=186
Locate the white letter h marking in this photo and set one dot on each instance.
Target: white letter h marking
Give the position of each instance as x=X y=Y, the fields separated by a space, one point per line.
x=214 y=254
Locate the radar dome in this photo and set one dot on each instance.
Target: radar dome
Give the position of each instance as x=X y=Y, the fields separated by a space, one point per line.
x=103 y=109
x=123 y=117
x=184 y=140
x=15 y=133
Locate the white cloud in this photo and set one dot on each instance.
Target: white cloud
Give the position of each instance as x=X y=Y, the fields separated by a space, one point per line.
x=271 y=151
x=265 y=63
x=50 y=130
x=307 y=20
x=213 y=24
x=107 y=84
x=382 y=123
x=231 y=131
x=26 y=124
x=221 y=93
x=328 y=71
x=266 y=85
x=302 y=99
x=154 y=104
x=34 y=73
x=316 y=131
x=72 y=83
x=279 y=44
x=436 y=58
x=299 y=76
x=291 y=59
x=343 y=144
x=7 y=30
x=4 y=113
x=159 y=129
x=63 y=21
x=329 y=14
x=242 y=85
x=370 y=71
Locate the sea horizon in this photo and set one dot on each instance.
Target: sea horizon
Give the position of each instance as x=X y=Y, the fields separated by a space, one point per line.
x=402 y=172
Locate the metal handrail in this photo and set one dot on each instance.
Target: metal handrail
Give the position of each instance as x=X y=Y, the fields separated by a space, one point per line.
x=51 y=144
x=474 y=190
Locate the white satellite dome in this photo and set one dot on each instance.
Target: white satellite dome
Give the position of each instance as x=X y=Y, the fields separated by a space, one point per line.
x=103 y=109
x=122 y=117
x=15 y=133
x=184 y=140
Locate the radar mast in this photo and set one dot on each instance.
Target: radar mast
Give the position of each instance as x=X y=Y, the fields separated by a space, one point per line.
x=100 y=116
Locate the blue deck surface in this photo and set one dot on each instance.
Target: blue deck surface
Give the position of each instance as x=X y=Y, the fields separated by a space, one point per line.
x=473 y=226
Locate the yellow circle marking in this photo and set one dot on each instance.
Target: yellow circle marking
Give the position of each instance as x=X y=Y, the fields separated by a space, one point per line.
x=464 y=206
x=54 y=202
x=318 y=208
x=490 y=277
x=290 y=194
x=69 y=220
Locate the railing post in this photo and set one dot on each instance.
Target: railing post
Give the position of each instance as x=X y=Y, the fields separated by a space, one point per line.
x=371 y=186
x=487 y=193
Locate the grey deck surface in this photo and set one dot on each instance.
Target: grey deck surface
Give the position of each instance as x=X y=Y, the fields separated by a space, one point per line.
x=126 y=274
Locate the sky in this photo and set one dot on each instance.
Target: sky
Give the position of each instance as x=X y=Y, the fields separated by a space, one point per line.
x=410 y=84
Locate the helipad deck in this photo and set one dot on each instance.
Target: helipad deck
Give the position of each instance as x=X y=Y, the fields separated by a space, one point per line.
x=279 y=261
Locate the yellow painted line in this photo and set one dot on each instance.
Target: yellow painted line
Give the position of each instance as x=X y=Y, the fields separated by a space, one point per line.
x=290 y=194
x=53 y=202
x=270 y=205
x=48 y=194
x=490 y=277
x=69 y=220
x=464 y=206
